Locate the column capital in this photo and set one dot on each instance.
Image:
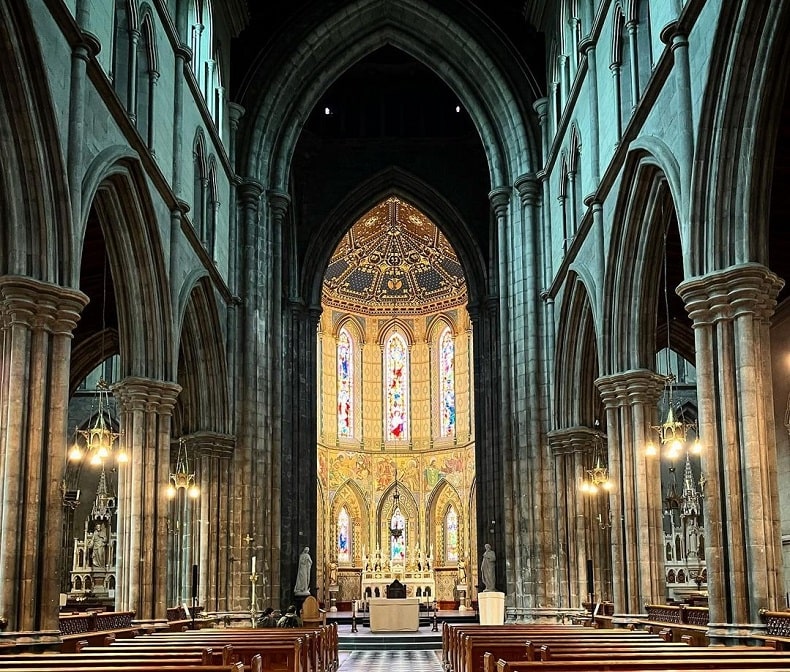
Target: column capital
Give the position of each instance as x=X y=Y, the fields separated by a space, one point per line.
x=235 y=113
x=528 y=188
x=210 y=444
x=500 y=199
x=573 y=439
x=40 y=305
x=278 y=201
x=250 y=191
x=638 y=386
x=135 y=393
x=743 y=289
x=541 y=106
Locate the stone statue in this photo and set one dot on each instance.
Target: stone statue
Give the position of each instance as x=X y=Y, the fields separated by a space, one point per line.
x=488 y=569
x=461 y=572
x=302 y=585
x=332 y=573
x=98 y=544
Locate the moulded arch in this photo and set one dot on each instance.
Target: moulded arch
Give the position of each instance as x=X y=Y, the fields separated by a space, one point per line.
x=414 y=27
x=442 y=496
x=409 y=509
x=351 y=496
x=576 y=367
x=437 y=325
x=644 y=204
x=148 y=30
x=353 y=325
x=203 y=404
x=398 y=183
x=396 y=325
x=35 y=238
x=731 y=184
x=134 y=249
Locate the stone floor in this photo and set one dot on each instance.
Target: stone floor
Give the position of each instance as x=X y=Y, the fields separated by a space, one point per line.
x=390 y=661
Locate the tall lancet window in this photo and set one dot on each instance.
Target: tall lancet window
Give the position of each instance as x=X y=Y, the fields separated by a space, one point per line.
x=345 y=386
x=447 y=383
x=451 y=535
x=343 y=536
x=396 y=361
x=398 y=543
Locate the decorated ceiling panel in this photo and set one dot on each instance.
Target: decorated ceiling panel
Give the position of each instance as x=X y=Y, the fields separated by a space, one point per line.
x=394 y=258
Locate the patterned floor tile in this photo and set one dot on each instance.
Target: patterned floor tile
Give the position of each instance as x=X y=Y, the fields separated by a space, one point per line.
x=391 y=661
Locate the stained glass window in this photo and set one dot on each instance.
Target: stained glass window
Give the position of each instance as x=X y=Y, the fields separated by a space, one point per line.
x=345 y=386
x=396 y=380
x=447 y=383
x=398 y=544
x=343 y=536
x=451 y=535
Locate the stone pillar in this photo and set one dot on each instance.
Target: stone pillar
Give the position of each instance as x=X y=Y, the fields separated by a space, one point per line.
x=146 y=408
x=299 y=432
x=131 y=83
x=212 y=455
x=37 y=323
x=630 y=399
x=489 y=457
x=730 y=310
x=582 y=535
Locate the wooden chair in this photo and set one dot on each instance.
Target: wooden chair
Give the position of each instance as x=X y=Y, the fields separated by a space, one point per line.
x=311 y=614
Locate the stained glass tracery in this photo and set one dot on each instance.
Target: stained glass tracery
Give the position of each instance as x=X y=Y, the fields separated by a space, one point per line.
x=398 y=544
x=396 y=380
x=451 y=535
x=343 y=536
x=447 y=383
x=345 y=386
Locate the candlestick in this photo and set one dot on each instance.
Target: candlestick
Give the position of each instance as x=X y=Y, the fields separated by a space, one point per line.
x=253 y=565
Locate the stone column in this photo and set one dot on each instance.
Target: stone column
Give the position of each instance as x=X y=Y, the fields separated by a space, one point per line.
x=146 y=408
x=212 y=455
x=298 y=456
x=731 y=310
x=489 y=456
x=630 y=399
x=37 y=323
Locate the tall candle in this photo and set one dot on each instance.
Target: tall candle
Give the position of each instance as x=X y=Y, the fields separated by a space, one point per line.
x=253 y=564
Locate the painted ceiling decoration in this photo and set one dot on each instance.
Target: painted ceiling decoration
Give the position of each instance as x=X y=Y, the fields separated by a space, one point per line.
x=394 y=258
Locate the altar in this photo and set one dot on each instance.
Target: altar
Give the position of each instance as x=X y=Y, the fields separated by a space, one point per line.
x=394 y=615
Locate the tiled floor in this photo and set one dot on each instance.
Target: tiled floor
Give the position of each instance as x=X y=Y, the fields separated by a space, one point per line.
x=391 y=661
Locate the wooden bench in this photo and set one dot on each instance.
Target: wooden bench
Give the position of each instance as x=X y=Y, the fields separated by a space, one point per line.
x=95 y=628
x=677 y=622
x=132 y=667
x=318 y=646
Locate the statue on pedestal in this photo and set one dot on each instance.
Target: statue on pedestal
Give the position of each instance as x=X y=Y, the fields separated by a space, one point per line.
x=488 y=569
x=98 y=545
x=302 y=585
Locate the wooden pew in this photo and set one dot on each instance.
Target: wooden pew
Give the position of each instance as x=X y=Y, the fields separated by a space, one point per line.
x=139 y=667
x=769 y=664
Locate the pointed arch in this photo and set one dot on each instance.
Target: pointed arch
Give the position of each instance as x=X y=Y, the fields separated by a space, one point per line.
x=128 y=222
x=645 y=204
x=413 y=26
x=410 y=512
x=204 y=401
x=36 y=236
x=442 y=497
x=350 y=497
x=577 y=362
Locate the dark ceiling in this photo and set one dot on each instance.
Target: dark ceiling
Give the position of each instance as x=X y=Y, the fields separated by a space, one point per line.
x=509 y=18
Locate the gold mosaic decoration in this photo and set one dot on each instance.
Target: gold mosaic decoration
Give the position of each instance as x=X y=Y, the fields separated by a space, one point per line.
x=394 y=258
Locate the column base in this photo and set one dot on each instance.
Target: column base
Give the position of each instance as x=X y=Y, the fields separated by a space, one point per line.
x=31 y=641
x=736 y=634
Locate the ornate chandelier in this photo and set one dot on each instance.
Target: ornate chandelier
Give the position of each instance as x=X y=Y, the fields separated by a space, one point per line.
x=181 y=478
x=598 y=477
x=395 y=531
x=101 y=441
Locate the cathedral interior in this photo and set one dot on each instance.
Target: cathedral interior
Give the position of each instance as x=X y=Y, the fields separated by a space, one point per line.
x=394 y=280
